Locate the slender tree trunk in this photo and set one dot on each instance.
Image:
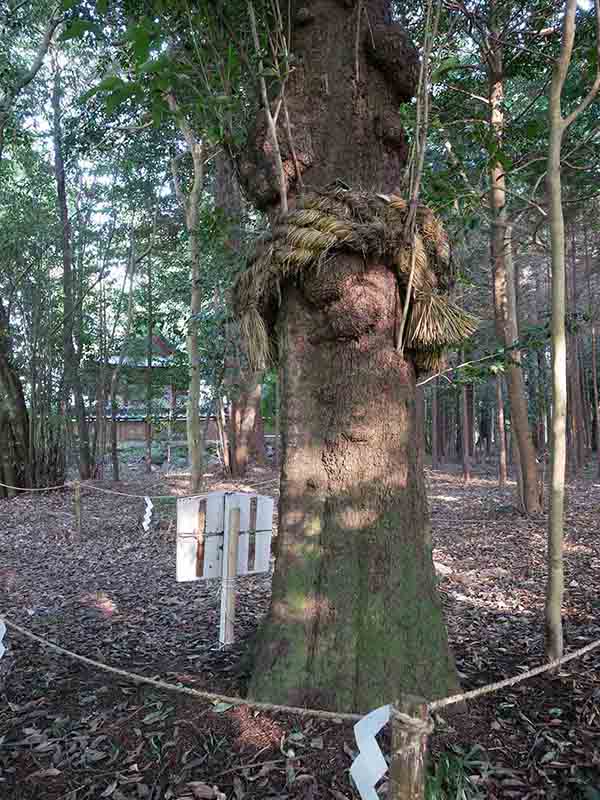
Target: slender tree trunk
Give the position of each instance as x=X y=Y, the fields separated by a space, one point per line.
x=222 y=431
x=555 y=586
x=501 y=434
x=464 y=423
x=191 y=206
x=259 y=449
x=558 y=125
x=596 y=400
x=149 y=354
x=277 y=445
x=504 y=286
x=170 y=430
x=435 y=432
x=194 y=429
x=72 y=378
x=576 y=409
x=443 y=428
x=114 y=435
x=420 y=415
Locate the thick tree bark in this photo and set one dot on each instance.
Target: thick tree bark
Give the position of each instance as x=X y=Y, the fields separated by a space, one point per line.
x=355 y=615
x=355 y=618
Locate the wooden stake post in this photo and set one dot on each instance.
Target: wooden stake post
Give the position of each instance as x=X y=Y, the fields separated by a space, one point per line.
x=411 y=726
x=78 y=507
x=231 y=541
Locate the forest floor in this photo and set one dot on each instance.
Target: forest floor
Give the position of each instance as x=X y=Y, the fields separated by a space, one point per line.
x=72 y=732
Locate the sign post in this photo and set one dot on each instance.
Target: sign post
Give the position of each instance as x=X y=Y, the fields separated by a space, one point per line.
x=223 y=535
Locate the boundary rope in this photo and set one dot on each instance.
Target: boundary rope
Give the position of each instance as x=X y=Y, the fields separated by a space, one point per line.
x=435 y=705
x=172 y=687
x=43 y=489
x=93 y=488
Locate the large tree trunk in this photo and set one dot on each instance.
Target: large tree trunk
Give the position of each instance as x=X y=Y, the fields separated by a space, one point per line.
x=355 y=618
x=355 y=615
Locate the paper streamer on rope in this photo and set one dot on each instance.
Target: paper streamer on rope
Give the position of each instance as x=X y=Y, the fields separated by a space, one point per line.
x=2 y=633
x=369 y=766
x=148 y=514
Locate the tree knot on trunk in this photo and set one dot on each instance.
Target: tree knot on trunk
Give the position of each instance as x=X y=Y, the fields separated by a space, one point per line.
x=302 y=243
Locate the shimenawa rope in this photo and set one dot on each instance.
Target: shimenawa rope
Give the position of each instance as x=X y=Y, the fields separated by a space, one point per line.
x=417 y=724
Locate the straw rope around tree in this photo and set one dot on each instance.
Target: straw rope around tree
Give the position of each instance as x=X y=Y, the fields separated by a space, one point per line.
x=371 y=225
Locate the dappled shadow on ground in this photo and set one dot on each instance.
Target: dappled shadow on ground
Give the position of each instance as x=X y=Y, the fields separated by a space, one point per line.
x=70 y=732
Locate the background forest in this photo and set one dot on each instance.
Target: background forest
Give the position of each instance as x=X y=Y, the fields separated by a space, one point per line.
x=146 y=146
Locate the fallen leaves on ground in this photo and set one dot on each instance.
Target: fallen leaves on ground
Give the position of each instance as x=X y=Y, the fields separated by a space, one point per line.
x=70 y=732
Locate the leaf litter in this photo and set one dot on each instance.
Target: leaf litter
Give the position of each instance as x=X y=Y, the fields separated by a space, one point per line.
x=70 y=732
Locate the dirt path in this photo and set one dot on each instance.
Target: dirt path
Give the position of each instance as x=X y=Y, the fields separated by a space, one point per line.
x=69 y=732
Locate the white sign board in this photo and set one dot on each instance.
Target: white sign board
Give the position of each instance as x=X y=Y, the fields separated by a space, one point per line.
x=201 y=529
x=207 y=546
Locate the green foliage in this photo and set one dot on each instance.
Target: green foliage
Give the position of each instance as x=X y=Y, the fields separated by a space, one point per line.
x=457 y=775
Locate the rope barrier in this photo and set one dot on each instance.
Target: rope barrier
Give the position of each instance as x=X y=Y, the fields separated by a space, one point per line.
x=172 y=687
x=435 y=705
x=494 y=687
x=43 y=489
x=142 y=496
x=92 y=487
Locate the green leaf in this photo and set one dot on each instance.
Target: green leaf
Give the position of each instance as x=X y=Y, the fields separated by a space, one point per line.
x=77 y=27
x=67 y=5
x=447 y=65
x=114 y=100
x=140 y=40
x=220 y=708
x=269 y=72
x=102 y=6
x=110 y=83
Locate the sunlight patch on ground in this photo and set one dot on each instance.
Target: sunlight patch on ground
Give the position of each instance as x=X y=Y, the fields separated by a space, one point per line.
x=100 y=601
